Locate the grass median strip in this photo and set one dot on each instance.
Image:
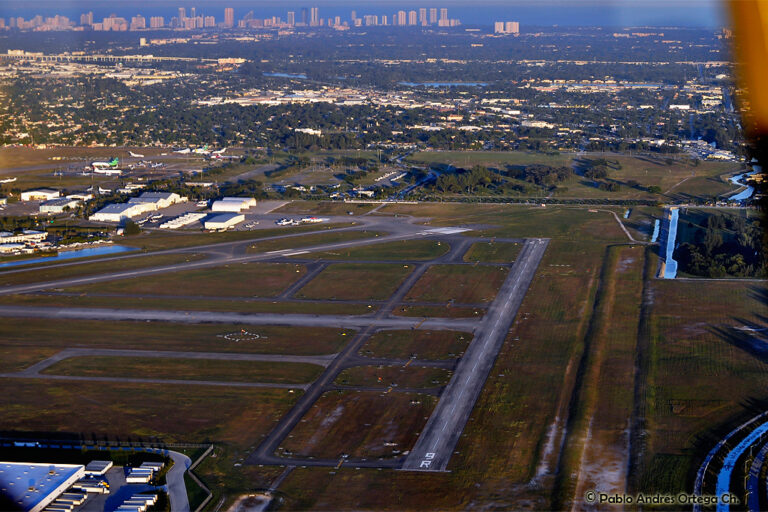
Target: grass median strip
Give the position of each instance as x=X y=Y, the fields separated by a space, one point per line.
x=234 y=280
x=186 y=369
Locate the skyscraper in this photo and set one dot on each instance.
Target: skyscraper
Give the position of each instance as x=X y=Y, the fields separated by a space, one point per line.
x=229 y=17
x=192 y=13
x=401 y=18
x=412 y=18
x=432 y=15
x=314 y=17
x=512 y=27
x=138 y=22
x=304 y=15
x=182 y=15
x=86 y=19
x=423 y=16
x=443 y=14
x=291 y=18
x=156 y=22
x=353 y=16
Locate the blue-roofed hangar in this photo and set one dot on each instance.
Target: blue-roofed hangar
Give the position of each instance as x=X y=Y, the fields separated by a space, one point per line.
x=34 y=486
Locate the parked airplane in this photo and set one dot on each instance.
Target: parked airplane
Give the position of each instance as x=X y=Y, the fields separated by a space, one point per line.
x=135 y=155
x=112 y=164
x=219 y=152
x=184 y=151
x=108 y=171
x=202 y=151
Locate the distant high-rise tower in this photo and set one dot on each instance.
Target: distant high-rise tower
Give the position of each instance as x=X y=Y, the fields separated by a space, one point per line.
x=182 y=14
x=353 y=16
x=512 y=27
x=304 y=15
x=192 y=13
x=86 y=19
x=138 y=22
x=291 y=18
x=423 y=16
x=229 y=17
x=156 y=22
x=443 y=14
x=432 y=15
x=314 y=17
x=412 y=18
x=402 y=19
x=384 y=20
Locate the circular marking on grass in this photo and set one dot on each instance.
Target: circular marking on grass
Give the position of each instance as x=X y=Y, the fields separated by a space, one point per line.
x=242 y=335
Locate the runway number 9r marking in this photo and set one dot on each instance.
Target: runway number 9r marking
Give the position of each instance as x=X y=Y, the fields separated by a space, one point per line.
x=427 y=460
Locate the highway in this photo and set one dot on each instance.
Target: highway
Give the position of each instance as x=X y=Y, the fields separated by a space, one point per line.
x=438 y=439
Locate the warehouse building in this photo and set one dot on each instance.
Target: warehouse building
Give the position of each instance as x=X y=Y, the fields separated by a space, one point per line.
x=224 y=221
x=40 y=194
x=31 y=487
x=146 y=202
x=157 y=200
x=26 y=236
x=58 y=205
x=119 y=212
x=233 y=204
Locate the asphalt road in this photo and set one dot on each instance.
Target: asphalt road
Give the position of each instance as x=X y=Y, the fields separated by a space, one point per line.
x=177 y=490
x=196 y=317
x=438 y=439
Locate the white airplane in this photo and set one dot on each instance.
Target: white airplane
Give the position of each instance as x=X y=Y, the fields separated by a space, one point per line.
x=135 y=155
x=184 y=151
x=202 y=151
x=7 y=180
x=108 y=171
x=219 y=152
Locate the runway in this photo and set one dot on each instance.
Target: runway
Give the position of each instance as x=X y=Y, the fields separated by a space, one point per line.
x=438 y=439
x=199 y=317
x=406 y=232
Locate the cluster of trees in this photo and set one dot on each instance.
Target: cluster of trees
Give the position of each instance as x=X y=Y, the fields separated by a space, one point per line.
x=728 y=245
x=544 y=175
x=467 y=181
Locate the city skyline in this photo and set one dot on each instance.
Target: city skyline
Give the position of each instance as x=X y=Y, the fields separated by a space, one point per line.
x=192 y=19
x=609 y=13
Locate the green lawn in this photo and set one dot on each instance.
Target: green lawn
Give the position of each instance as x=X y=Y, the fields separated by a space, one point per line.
x=234 y=280
x=493 y=252
x=187 y=369
x=409 y=250
x=355 y=281
x=462 y=284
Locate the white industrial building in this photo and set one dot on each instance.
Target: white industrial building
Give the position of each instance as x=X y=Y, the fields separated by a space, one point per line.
x=119 y=212
x=26 y=236
x=40 y=194
x=32 y=487
x=58 y=205
x=146 y=202
x=158 y=200
x=9 y=248
x=224 y=221
x=184 y=220
x=233 y=204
